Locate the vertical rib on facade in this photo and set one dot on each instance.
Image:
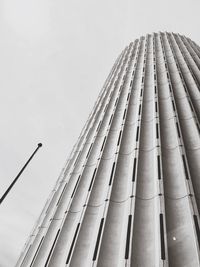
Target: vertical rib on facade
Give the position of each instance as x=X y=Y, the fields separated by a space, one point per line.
x=130 y=193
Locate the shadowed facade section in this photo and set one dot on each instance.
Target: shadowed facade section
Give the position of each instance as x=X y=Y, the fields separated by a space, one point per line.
x=129 y=194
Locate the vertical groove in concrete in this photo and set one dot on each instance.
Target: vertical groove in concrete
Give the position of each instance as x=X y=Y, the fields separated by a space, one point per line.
x=129 y=195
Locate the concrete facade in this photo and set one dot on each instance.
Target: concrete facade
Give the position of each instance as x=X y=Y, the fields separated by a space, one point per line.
x=130 y=193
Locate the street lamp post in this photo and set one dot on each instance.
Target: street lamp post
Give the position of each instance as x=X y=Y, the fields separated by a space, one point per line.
x=21 y=171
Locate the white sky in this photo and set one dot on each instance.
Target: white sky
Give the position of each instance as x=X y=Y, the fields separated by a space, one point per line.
x=54 y=59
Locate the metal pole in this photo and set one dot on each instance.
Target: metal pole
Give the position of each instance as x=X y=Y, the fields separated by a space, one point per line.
x=16 y=178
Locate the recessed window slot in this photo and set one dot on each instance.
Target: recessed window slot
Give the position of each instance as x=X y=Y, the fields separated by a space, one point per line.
x=191 y=106
x=162 y=240
x=174 y=108
x=116 y=101
x=98 y=126
x=155 y=89
x=89 y=150
x=134 y=169
x=178 y=130
x=197 y=228
x=72 y=244
x=170 y=88
x=198 y=127
x=185 y=167
x=54 y=242
x=131 y=83
x=157 y=131
x=128 y=96
x=124 y=114
x=137 y=134
x=110 y=119
x=159 y=168
x=156 y=107
x=139 y=110
x=119 y=137
x=98 y=239
x=103 y=143
x=92 y=179
x=79 y=153
x=128 y=236
x=37 y=251
x=75 y=186
x=111 y=175
x=61 y=194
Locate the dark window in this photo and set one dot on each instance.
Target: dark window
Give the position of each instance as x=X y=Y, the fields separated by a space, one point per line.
x=89 y=150
x=98 y=126
x=162 y=241
x=111 y=175
x=103 y=143
x=54 y=242
x=92 y=179
x=128 y=236
x=134 y=169
x=98 y=239
x=37 y=251
x=124 y=114
x=157 y=131
x=61 y=194
x=159 y=168
x=185 y=167
x=119 y=137
x=178 y=131
x=72 y=244
x=137 y=134
x=75 y=186
x=173 y=106
x=197 y=228
x=110 y=119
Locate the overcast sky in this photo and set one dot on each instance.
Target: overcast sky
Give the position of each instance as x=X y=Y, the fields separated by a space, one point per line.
x=54 y=59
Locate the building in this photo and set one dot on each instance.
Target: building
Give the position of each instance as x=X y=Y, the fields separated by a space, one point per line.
x=130 y=193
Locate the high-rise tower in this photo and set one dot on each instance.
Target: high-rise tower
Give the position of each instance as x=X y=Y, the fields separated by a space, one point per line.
x=130 y=193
